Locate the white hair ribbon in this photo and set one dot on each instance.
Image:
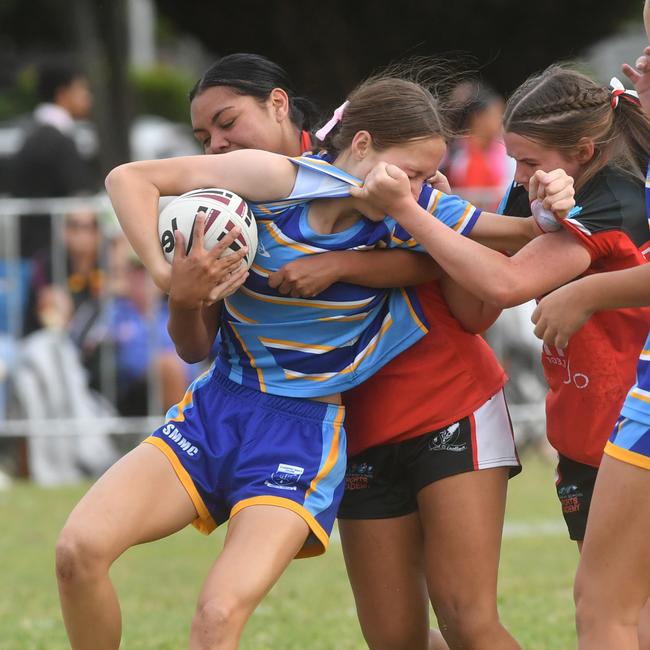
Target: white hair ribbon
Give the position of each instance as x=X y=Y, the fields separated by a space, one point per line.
x=618 y=89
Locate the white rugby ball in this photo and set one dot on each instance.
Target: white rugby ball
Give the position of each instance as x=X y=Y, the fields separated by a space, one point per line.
x=223 y=210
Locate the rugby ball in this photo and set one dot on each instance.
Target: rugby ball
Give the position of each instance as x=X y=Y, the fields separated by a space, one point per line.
x=223 y=210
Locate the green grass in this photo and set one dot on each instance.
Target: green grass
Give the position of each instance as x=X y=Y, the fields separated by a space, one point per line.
x=311 y=607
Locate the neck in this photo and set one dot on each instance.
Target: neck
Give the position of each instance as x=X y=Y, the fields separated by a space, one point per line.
x=293 y=141
x=327 y=216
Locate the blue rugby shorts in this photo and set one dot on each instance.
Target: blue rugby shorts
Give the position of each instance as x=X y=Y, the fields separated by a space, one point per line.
x=233 y=447
x=630 y=442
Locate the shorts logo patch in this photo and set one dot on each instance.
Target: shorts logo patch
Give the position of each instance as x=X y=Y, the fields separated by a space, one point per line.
x=175 y=436
x=569 y=496
x=447 y=439
x=358 y=476
x=286 y=477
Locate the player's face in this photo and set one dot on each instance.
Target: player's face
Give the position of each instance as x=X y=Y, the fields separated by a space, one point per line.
x=418 y=159
x=224 y=121
x=531 y=156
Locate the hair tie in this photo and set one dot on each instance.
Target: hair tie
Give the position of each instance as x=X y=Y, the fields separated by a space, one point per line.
x=322 y=133
x=618 y=90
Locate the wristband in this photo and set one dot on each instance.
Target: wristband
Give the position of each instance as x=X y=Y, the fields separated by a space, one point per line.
x=544 y=218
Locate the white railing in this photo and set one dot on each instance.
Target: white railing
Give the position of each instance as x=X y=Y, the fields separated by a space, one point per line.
x=12 y=291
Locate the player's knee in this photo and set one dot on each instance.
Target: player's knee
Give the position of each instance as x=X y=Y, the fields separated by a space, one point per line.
x=217 y=619
x=79 y=556
x=466 y=622
x=597 y=608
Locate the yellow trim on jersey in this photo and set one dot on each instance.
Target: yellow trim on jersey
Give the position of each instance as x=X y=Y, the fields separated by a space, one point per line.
x=469 y=210
x=640 y=394
x=260 y=271
x=300 y=302
x=414 y=316
x=301 y=511
x=293 y=374
x=627 y=456
x=332 y=455
x=344 y=318
x=236 y=313
x=204 y=522
x=409 y=242
x=282 y=239
x=260 y=375
x=315 y=348
x=645 y=355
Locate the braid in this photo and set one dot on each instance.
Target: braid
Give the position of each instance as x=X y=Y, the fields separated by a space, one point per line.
x=582 y=100
x=561 y=107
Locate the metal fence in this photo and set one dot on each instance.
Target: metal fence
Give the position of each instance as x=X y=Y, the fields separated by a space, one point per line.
x=14 y=287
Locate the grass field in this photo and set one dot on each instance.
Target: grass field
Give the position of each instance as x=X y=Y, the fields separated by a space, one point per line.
x=311 y=608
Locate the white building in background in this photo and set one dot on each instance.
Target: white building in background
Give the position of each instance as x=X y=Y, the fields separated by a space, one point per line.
x=604 y=59
x=141 y=17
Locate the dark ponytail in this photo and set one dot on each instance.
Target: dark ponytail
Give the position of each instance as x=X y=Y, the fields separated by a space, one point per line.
x=256 y=76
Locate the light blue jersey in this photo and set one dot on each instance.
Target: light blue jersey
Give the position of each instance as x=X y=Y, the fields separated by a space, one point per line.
x=302 y=347
x=637 y=403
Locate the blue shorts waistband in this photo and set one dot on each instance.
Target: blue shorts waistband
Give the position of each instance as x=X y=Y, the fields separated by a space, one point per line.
x=299 y=407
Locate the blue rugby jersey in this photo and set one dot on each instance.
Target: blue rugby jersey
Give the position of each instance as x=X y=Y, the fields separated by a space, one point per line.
x=637 y=403
x=300 y=347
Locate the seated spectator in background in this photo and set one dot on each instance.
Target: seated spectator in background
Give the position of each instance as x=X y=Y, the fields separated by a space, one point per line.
x=137 y=326
x=49 y=163
x=49 y=384
x=477 y=165
x=80 y=254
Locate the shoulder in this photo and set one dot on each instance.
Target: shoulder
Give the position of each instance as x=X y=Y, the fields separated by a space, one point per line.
x=516 y=202
x=612 y=200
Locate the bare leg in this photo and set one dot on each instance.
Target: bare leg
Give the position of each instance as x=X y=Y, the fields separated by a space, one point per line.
x=644 y=627
x=137 y=500
x=462 y=518
x=613 y=580
x=385 y=565
x=261 y=542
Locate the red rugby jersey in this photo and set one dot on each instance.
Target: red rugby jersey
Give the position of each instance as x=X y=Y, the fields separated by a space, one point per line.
x=444 y=377
x=589 y=380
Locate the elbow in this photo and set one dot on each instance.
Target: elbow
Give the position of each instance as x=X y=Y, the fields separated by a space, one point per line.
x=191 y=354
x=114 y=176
x=505 y=294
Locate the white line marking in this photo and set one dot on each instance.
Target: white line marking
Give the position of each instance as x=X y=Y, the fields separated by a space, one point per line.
x=513 y=530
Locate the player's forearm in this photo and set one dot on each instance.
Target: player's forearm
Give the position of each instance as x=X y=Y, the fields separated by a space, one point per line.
x=473 y=314
x=381 y=269
x=135 y=201
x=615 y=290
x=503 y=233
x=189 y=331
x=483 y=272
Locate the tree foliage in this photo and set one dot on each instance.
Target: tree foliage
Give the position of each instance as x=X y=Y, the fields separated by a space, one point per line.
x=329 y=46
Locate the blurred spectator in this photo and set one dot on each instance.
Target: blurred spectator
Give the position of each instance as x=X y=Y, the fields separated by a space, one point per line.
x=477 y=165
x=81 y=253
x=49 y=163
x=49 y=384
x=137 y=323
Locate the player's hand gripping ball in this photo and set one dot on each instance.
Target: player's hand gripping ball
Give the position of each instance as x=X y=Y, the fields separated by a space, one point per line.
x=223 y=210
